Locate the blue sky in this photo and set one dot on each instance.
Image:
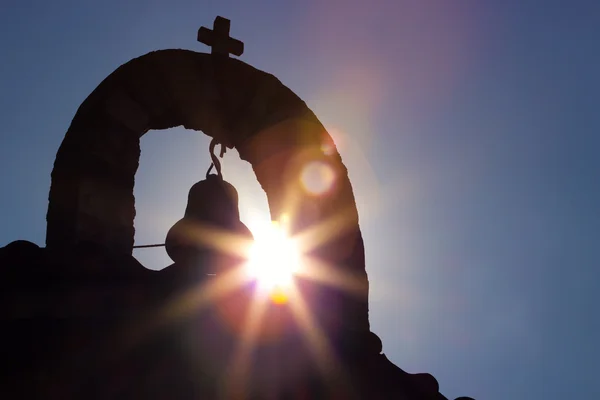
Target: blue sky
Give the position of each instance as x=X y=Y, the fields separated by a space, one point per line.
x=470 y=130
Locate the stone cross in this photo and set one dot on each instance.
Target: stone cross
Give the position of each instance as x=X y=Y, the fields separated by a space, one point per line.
x=218 y=39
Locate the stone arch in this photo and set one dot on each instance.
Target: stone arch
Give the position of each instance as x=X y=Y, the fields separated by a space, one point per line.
x=91 y=196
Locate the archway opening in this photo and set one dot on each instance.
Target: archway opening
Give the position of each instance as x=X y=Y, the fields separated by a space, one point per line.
x=171 y=162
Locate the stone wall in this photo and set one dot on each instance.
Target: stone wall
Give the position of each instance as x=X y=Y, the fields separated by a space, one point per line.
x=91 y=196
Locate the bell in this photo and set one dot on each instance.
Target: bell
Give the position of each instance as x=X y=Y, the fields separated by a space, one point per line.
x=211 y=228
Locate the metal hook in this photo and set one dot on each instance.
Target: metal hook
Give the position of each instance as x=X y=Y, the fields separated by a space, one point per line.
x=215 y=160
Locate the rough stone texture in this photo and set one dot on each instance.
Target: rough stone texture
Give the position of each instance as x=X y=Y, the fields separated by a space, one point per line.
x=90 y=324
x=91 y=197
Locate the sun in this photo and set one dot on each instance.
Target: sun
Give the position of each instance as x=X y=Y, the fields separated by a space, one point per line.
x=274 y=259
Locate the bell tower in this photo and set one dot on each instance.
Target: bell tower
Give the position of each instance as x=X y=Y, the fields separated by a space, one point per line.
x=331 y=352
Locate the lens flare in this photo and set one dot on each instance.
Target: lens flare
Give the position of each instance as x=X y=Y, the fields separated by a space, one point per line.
x=317 y=177
x=273 y=261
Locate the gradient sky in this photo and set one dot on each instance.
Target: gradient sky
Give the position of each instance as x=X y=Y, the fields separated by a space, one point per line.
x=470 y=129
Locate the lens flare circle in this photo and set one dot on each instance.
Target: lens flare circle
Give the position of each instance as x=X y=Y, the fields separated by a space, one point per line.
x=317 y=177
